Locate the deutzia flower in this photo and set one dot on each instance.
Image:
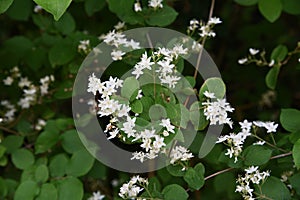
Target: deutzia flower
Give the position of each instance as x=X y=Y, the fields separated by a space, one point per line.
x=8 y=80
x=97 y=196
x=167 y=124
x=270 y=126
x=242 y=61
x=180 y=153
x=131 y=189
x=137 y=6
x=214 y=20
x=117 y=54
x=84 y=46
x=155 y=4
x=253 y=51
x=119 y=25
x=37 y=9
x=272 y=63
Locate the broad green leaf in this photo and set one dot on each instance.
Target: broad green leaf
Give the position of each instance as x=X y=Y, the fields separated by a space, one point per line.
x=71 y=142
x=273 y=188
x=194 y=179
x=272 y=76
x=200 y=169
x=64 y=90
x=296 y=154
x=98 y=171
x=48 y=192
x=174 y=191
x=290 y=119
x=3 y=161
x=80 y=163
x=130 y=85
x=136 y=106
x=62 y=52
x=295 y=182
x=64 y=123
x=36 y=57
x=56 y=7
x=22 y=158
x=26 y=191
x=41 y=173
x=154 y=184
x=66 y=24
x=257 y=155
x=175 y=170
x=291 y=6
x=18 y=46
x=3 y=188
x=191 y=81
x=70 y=188
x=28 y=174
x=279 y=53
x=20 y=10
x=271 y=10
x=214 y=85
x=157 y=112
x=58 y=164
x=246 y=2
x=11 y=186
x=93 y=6
x=197 y=116
x=162 y=17
x=45 y=141
x=12 y=143
x=4 y=5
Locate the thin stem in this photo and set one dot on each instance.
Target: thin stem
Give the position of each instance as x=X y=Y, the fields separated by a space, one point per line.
x=9 y=130
x=281 y=155
x=218 y=173
x=273 y=139
x=268 y=143
x=153 y=73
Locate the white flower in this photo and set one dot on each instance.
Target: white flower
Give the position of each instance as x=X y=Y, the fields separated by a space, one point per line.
x=128 y=127
x=246 y=125
x=113 y=134
x=242 y=61
x=193 y=24
x=209 y=95
x=169 y=80
x=133 y=44
x=167 y=124
x=139 y=156
x=270 y=126
x=117 y=54
x=37 y=9
x=94 y=84
x=253 y=51
x=251 y=169
x=24 y=82
x=97 y=196
x=180 y=153
x=206 y=31
x=137 y=7
x=155 y=3
x=8 y=81
x=131 y=190
x=119 y=25
x=214 y=20
x=298 y=59
x=272 y=63
x=259 y=143
x=139 y=95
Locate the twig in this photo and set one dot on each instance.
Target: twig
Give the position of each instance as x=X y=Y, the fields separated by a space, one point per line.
x=281 y=155
x=9 y=130
x=218 y=173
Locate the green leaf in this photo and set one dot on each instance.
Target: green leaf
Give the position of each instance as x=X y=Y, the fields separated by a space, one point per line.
x=174 y=191
x=246 y=2
x=80 y=163
x=214 y=85
x=55 y=7
x=175 y=170
x=48 y=192
x=26 y=191
x=291 y=6
x=41 y=174
x=279 y=53
x=137 y=106
x=22 y=158
x=154 y=185
x=36 y=57
x=64 y=90
x=197 y=116
x=63 y=123
x=62 y=52
x=271 y=78
x=130 y=85
x=200 y=169
x=4 y=5
x=12 y=143
x=71 y=142
x=194 y=179
x=45 y=141
x=66 y=24
x=257 y=155
x=20 y=10
x=3 y=188
x=93 y=6
x=290 y=119
x=273 y=188
x=98 y=171
x=296 y=153
x=271 y=10
x=57 y=166
x=295 y=182
x=70 y=188
x=162 y=17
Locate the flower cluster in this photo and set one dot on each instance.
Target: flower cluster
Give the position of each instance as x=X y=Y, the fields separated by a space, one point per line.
x=235 y=141
x=180 y=153
x=155 y=4
x=31 y=92
x=97 y=196
x=131 y=189
x=252 y=176
x=118 y=40
x=216 y=110
x=260 y=60
x=84 y=46
x=205 y=29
